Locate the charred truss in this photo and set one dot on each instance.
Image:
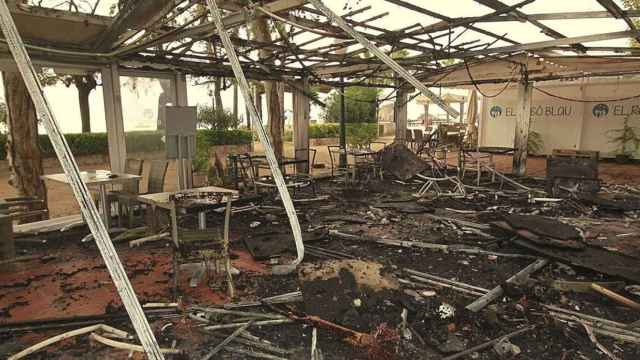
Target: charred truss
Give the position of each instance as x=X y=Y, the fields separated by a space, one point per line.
x=180 y=35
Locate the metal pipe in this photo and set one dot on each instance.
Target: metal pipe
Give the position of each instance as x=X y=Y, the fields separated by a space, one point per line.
x=262 y=133
x=343 y=128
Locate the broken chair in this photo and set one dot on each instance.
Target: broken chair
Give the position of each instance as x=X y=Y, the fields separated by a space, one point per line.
x=204 y=249
x=478 y=161
x=365 y=163
x=337 y=170
x=295 y=183
x=432 y=184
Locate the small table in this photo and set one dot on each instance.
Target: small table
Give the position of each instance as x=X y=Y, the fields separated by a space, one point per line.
x=99 y=178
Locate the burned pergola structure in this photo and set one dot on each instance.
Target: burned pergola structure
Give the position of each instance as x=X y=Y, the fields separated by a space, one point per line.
x=170 y=39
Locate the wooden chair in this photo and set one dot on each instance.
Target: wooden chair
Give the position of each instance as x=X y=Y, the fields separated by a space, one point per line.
x=157 y=174
x=133 y=167
x=409 y=138
x=155 y=184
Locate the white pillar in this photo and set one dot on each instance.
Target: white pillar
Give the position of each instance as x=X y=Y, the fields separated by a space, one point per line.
x=180 y=89
x=113 y=117
x=301 y=116
x=523 y=121
x=400 y=116
x=185 y=170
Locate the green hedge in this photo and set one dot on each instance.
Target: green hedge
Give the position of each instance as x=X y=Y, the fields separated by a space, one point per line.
x=137 y=141
x=324 y=131
x=225 y=137
x=80 y=144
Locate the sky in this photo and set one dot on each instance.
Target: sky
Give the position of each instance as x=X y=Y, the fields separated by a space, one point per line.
x=140 y=105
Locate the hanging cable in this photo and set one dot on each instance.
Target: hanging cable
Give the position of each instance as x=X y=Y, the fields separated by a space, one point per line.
x=475 y=85
x=585 y=101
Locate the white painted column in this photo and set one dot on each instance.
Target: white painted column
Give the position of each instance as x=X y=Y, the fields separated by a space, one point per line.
x=113 y=117
x=585 y=110
x=301 y=116
x=523 y=121
x=179 y=87
x=400 y=116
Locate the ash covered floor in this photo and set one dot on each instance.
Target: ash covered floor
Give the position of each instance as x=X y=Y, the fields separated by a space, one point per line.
x=372 y=249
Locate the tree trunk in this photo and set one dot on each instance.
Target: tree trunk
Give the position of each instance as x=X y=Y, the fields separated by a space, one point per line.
x=23 y=152
x=274 y=109
x=235 y=86
x=275 y=117
x=217 y=97
x=85 y=84
x=164 y=98
x=235 y=101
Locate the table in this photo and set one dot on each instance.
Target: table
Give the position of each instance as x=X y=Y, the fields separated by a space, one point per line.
x=101 y=179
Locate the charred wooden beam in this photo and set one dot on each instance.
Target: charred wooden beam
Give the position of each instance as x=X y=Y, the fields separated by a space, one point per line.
x=498 y=5
x=572 y=15
x=549 y=43
x=618 y=13
x=422 y=10
x=134 y=14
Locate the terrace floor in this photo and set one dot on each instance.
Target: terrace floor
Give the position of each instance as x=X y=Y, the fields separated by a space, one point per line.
x=66 y=280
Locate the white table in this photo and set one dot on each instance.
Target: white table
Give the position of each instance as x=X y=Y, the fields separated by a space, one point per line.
x=101 y=179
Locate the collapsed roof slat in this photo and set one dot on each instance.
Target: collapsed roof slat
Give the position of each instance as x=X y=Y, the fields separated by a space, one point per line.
x=174 y=36
x=497 y=5
x=617 y=12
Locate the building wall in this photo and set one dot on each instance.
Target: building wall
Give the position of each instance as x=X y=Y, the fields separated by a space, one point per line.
x=565 y=124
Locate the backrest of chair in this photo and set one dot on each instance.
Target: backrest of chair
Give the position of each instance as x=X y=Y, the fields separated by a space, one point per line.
x=157 y=174
x=409 y=135
x=246 y=163
x=333 y=149
x=133 y=167
x=417 y=135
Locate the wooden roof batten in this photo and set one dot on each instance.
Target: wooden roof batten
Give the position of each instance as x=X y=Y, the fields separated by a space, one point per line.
x=170 y=35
